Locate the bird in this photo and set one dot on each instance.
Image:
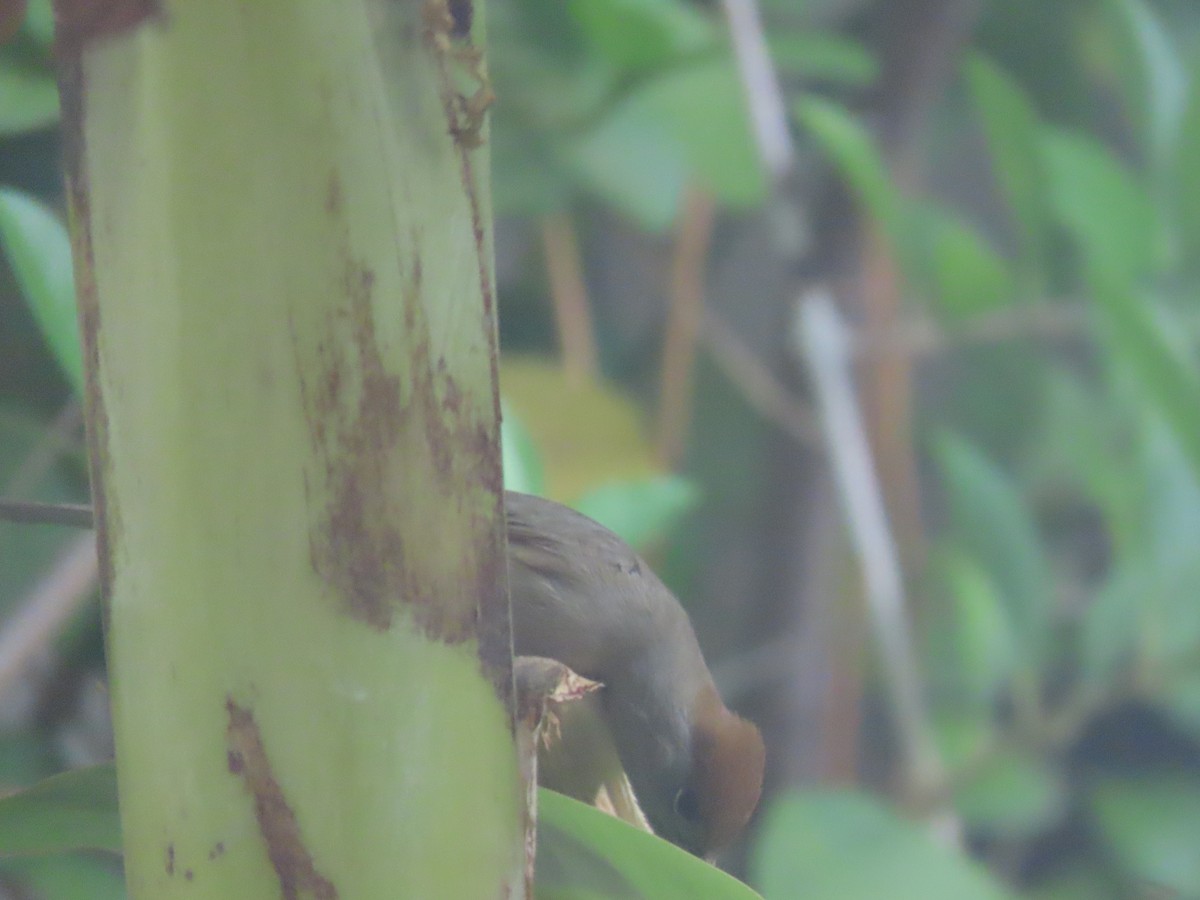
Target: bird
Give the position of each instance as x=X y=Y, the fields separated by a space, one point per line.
x=580 y=595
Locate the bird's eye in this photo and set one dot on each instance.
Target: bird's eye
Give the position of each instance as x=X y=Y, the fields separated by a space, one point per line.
x=687 y=805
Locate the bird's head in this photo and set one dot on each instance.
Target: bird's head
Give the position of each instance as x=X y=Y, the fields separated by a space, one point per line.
x=703 y=798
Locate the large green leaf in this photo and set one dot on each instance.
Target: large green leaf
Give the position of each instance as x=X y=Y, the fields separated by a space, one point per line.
x=37 y=246
x=1150 y=825
x=845 y=845
x=584 y=854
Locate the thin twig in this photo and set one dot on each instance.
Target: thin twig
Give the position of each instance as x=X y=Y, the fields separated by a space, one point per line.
x=887 y=398
x=823 y=340
x=765 y=394
x=51 y=603
x=918 y=338
x=568 y=294
x=764 y=99
x=923 y=337
x=34 y=512
x=683 y=323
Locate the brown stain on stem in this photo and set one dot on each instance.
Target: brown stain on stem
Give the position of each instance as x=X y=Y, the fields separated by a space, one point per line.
x=247 y=759
x=493 y=616
x=386 y=432
x=392 y=429
x=105 y=512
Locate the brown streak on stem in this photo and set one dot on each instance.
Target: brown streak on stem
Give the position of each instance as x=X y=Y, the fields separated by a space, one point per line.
x=493 y=621
x=106 y=514
x=247 y=760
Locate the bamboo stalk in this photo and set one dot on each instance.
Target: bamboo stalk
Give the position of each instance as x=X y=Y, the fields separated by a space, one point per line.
x=283 y=253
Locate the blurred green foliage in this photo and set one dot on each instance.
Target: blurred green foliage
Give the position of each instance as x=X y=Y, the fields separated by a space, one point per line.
x=1060 y=606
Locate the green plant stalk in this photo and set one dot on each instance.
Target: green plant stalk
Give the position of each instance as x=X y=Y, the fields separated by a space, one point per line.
x=283 y=252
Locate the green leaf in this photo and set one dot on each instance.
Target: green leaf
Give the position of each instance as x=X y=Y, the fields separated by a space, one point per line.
x=1143 y=333
x=991 y=523
x=75 y=810
x=640 y=34
x=584 y=853
x=587 y=433
x=1149 y=823
x=39 y=250
x=686 y=124
x=968 y=275
x=39 y=23
x=28 y=94
x=632 y=161
x=1108 y=634
x=1150 y=76
x=1102 y=205
x=850 y=147
x=963 y=735
x=1146 y=616
x=65 y=877
x=1010 y=123
x=520 y=458
x=823 y=56
x=845 y=845
x=703 y=106
x=640 y=511
x=1014 y=795
x=972 y=648
x=1185 y=181
x=1080 y=449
